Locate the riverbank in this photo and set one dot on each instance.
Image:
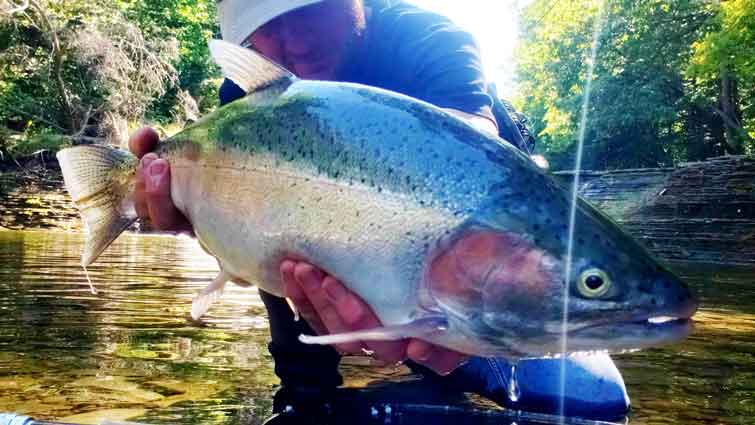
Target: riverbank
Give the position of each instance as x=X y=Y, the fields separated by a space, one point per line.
x=702 y=212
x=32 y=196
x=696 y=212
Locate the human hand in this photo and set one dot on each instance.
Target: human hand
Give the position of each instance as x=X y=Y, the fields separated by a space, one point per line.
x=329 y=307
x=152 y=195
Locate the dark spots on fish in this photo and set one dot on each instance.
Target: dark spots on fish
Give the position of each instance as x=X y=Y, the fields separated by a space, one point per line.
x=536 y=227
x=357 y=213
x=666 y=284
x=653 y=301
x=548 y=221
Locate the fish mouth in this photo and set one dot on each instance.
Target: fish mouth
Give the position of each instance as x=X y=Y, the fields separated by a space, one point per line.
x=633 y=334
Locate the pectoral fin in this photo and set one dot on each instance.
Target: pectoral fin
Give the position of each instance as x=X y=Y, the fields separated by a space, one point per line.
x=209 y=295
x=414 y=329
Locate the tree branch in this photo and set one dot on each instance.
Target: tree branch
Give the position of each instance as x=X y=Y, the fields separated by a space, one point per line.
x=57 y=63
x=18 y=7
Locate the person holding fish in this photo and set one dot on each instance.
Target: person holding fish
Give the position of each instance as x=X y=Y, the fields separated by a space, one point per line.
x=399 y=47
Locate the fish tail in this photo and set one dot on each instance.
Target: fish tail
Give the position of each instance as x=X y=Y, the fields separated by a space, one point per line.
x=100 y=180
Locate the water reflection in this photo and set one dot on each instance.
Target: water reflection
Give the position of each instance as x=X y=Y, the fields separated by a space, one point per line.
x=65 y=351
x=131 y=352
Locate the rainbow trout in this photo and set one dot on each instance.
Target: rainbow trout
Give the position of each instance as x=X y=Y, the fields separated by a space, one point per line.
x=448 y=233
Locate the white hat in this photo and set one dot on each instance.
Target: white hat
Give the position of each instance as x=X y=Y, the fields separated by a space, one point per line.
x=240 y=18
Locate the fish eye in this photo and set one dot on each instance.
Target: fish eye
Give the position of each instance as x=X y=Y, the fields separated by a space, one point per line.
x=593 y=283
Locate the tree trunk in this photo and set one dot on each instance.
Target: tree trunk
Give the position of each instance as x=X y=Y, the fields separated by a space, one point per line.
x=730 y=113
x=58 y=56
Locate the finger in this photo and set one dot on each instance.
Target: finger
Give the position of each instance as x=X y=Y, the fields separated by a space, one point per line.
x=292 y=290
x=441 y=360
x=139 y=195
x=143 y=141
x=356 y=314
x=311 y=282
x=140 y=200
x=162 y=212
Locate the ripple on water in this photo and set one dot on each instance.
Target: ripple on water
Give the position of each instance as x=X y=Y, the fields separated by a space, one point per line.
x=64 y=351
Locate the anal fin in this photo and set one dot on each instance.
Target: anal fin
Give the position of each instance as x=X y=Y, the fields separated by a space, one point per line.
x=414 y=329
x=209 y=295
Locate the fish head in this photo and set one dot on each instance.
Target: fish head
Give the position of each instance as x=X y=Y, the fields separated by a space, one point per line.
x=509 y=288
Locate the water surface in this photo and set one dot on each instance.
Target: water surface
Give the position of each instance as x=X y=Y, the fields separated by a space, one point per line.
x=132 y=352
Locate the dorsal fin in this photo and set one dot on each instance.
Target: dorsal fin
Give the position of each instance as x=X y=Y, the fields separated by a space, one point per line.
x=248 y=69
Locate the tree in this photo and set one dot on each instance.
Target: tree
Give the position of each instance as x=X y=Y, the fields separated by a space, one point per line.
x=645 y=110
x=725 y=59
x=192 y=23
x=79 y=68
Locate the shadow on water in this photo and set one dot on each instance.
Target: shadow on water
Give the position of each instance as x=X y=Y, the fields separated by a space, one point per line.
x=131 y=352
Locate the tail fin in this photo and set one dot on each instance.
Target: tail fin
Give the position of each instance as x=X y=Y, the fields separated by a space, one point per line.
x=100 y=180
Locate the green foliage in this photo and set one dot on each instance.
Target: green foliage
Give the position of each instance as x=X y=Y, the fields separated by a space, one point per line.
x=89 y=69
x=728 y=50
x=80 y=68
x=192 y=23
x=645 y=109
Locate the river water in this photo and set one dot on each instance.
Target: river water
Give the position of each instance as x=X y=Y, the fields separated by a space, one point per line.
x=131 y=352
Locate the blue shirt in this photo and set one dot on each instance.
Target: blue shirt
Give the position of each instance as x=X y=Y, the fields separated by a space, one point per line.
x=414 y=52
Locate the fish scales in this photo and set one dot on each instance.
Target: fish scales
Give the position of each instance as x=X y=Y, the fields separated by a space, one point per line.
x=450 y=234
x=307 y=173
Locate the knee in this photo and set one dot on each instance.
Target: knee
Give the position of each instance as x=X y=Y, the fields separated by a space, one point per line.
x=592 y=387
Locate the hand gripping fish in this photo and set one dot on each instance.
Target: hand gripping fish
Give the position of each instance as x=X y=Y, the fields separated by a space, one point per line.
x=449 y=234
